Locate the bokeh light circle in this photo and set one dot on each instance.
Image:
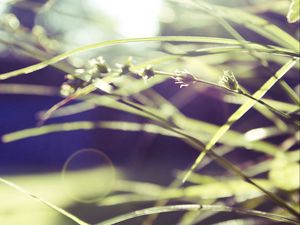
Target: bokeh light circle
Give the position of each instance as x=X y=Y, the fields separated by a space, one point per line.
x=88 y=175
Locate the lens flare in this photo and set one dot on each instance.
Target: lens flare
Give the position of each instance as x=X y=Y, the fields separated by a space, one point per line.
x=88 y=175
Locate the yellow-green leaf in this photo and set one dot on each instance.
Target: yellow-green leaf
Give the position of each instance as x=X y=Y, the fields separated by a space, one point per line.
x=285 y=174
x=294 y=14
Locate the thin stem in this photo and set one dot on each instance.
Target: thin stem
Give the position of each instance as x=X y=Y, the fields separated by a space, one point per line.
x=196 y=207
x=189 y=39
x=291 y=93
x=283 y=115
x=241 y=91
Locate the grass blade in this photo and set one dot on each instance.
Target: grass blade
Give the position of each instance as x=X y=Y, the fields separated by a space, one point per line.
x=294 y=14
x=259 y=25
x=65 y=55
x=189 y=207
x=240 y=112
x=52 y=206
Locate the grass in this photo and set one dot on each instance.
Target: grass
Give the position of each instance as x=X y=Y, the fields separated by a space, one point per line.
x=128 y=88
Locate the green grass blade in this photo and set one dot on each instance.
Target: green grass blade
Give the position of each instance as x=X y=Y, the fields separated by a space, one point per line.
x=280 y=105
x=149 y=211
x=65 y=55
x=28 y=89
x=240 y=112
x=211 y=190
x=37 y=131
x=260 y=26
x=186 y=207
x=294 y=13
x=229 y=138
x=290 y=92
x=52 y=206
x=242 y=48
x=248 y=20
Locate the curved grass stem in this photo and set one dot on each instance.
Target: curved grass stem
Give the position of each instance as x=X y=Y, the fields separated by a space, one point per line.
x=240 y=112
x=241 y=91
x=196 y=207
x=190 y=39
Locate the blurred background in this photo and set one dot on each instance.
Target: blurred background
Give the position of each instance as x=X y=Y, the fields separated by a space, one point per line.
x=35 y=30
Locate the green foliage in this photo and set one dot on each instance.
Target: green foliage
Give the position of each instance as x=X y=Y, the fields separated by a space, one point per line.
x=294 y=13
x=283 y=167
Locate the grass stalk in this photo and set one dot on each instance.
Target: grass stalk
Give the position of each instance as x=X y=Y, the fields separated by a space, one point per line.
x=190 y=39
x=240 y=112
x=196 y=207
